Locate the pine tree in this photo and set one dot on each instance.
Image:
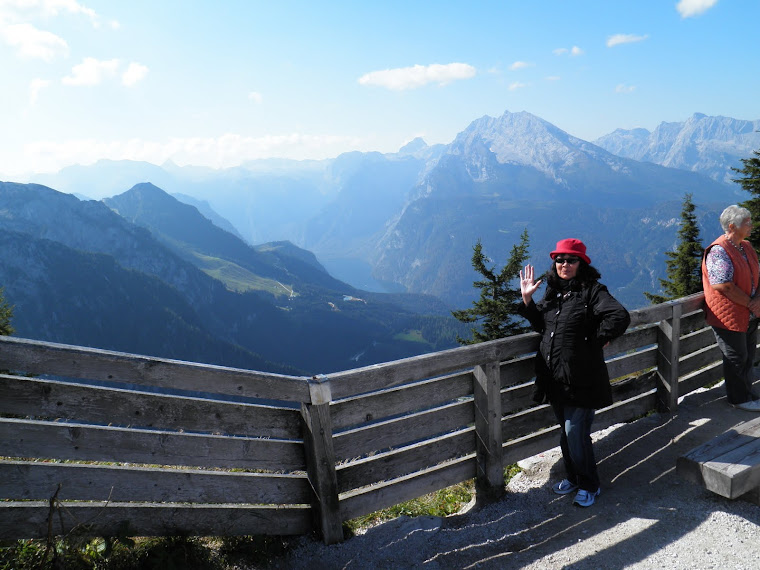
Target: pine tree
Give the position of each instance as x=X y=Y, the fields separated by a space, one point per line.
x=685 y=263
x=496 y=310
x=6 y=314
x=751 y=183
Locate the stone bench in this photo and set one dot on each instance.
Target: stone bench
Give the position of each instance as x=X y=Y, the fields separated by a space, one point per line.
x=729 y=464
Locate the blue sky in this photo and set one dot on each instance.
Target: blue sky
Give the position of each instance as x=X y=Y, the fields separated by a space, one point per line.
x=218 y=83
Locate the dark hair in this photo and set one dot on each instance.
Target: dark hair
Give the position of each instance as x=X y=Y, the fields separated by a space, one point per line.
x=586 y=275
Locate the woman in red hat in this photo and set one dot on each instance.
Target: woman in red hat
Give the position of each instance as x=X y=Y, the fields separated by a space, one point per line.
x=576 y=318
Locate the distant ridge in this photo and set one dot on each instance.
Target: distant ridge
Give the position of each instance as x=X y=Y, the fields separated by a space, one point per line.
x=406 y=221
x=708 y=145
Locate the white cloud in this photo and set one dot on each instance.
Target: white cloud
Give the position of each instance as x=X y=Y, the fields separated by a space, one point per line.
x=573 y=51
x=35 y=87
x=553 y=78
x=50 y=8
x=403 y=78
x=619 y=39
x=135 y=73
x=690 y=8
x=30 y=42
x=622 y=88
x=256 y=97
x=520 y=65
x=91 y=72
x=516 y=85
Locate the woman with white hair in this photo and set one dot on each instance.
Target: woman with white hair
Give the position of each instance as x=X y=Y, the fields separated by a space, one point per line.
x=730 y=279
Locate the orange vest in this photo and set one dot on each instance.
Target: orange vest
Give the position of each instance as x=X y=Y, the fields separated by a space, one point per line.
x=719 y=310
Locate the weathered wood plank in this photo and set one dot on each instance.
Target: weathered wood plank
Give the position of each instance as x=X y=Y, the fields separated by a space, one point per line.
x=400 y=400
x=518 y=370
x=517 y=398
x=112 y=406
x=668 y=342
x=489 y=481
x=62 y=440
x=377 y=497
x=651 y=314
x=692 y=322
x=633 y=386
x=529 y=445
x=388 y=374
x=735 y=473
x=397 y=432
x=26 y=480
x=692 y=303
x=633 y=339
x=407 y=460
x=729 y=464
x=626 y=410
x=703 y=377
x=38 y=357
x=320 y=456
x=662 y=311
x=29 y=519
x=632 y=363
x=526 y=422
x=699 y=359
x=697 y=340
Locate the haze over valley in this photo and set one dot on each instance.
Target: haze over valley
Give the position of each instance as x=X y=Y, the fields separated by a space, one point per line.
x=309 y=267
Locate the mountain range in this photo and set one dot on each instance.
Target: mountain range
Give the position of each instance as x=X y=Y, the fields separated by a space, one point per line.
x=398 y=227
x=708 y=145
x=153 y=276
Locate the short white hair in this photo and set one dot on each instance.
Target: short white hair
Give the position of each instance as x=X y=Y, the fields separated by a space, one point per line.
x=734 y=215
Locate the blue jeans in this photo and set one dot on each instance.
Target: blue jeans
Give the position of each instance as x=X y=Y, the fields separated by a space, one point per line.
x=738 y=350
x=575 y=441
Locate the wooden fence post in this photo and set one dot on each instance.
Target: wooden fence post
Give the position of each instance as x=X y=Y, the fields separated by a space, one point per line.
x=489 y=482
x=668 y=348
x=320 y=460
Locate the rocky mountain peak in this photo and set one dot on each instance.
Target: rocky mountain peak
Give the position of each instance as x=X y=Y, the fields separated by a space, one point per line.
x=413 y=146
x=704 y=144
x=526 y=140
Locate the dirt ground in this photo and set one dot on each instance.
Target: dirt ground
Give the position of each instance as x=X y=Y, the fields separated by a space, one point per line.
x=646 y=517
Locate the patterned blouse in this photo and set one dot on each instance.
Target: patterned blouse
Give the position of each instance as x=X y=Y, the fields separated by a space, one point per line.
x=719 y=266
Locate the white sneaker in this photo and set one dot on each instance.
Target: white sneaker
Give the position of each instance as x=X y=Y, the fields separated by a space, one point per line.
x=751 y=406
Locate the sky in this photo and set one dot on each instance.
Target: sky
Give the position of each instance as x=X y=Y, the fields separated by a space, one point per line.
x=219 y=83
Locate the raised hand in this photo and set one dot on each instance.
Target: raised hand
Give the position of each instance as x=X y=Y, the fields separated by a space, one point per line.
x=527 y=285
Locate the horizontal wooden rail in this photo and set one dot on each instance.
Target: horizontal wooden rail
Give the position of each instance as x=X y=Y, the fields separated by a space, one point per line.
x=56 y=399
x=83 y=482
x=37 y=357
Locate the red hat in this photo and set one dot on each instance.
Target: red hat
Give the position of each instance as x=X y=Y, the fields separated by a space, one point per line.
x=571 y=246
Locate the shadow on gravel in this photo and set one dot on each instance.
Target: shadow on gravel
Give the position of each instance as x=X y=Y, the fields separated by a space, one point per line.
x=644 y=508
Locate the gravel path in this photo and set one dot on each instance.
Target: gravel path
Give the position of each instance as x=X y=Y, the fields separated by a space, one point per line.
x=646 y=517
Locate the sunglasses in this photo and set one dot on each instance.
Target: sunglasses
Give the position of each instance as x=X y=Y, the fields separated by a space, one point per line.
x=570 y=260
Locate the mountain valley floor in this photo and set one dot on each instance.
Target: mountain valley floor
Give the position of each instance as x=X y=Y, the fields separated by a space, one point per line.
x=646 y=517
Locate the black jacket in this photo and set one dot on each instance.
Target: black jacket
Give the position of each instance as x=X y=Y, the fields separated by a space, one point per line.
x=575 y=324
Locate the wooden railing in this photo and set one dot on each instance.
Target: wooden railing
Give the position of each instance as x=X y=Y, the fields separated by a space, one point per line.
x=106 y=443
